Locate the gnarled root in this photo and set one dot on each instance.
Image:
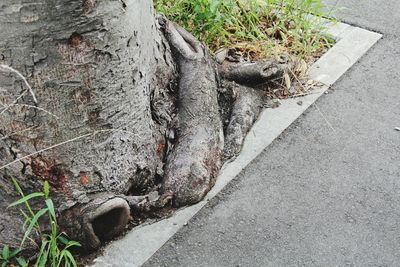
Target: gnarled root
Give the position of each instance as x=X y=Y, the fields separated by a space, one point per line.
x=193 y=165
x=249 y=95
x=196 y=157
x=245 y=111
x=253 y=73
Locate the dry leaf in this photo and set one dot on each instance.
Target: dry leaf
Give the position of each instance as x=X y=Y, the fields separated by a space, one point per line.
x=301 y=68
x=288 y=83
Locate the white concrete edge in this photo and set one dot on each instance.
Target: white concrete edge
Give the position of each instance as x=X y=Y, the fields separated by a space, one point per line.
x=143 y=241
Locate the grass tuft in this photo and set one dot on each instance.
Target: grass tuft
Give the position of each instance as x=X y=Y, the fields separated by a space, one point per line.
x=272 y=26
x=54 y=247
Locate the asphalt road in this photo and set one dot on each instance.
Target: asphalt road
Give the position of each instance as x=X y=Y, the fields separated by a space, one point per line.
x=327 y=192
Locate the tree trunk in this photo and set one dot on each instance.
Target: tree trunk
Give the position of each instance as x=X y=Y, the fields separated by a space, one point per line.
x=101 y=76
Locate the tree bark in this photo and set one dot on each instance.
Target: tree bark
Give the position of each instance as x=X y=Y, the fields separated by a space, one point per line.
x=102 y=76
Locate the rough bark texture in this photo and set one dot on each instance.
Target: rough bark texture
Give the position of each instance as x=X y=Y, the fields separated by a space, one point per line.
x=101 y=72
x=117 y=121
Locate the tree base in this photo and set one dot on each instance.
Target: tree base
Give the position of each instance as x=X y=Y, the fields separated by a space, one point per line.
x=217 y=106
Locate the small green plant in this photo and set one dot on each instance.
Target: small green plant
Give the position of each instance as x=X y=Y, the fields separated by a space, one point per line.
x=54 y=247
x=275 y=25
x=7 y=256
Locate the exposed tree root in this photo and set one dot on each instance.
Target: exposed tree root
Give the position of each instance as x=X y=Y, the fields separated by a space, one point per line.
x=245 y=112
x=252 y=73
x=200 y=147
x=193 y=165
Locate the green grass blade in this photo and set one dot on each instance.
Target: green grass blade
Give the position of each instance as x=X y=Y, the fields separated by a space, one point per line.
x=17 y=187
x=50 y=206
x=34 y=220
x=22 y=262
x=15 y=252
x=70 y=257
x=73 y=244
x=6 y=252
x=43 y=254
x=21 y=192
x=61 y=258
x=62 y=239
x=26 y=199
x=54 y=251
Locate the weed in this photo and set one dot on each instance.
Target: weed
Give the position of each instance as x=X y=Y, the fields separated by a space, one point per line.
x=273 y=25
x=54 y=247
x=7 y=256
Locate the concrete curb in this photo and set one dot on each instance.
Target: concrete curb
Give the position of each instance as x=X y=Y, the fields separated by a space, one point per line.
x=142 y=242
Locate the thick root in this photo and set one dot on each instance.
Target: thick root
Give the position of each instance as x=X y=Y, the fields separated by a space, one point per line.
x=193 y=165
x=252 y=73
x=245 y=112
